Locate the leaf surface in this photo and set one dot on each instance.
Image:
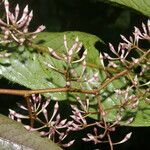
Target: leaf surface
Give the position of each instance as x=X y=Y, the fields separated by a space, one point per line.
x=141 y=6
x=14 y=136
x=28 y=69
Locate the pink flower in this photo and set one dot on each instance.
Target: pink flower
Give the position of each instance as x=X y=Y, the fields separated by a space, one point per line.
x=15 y=28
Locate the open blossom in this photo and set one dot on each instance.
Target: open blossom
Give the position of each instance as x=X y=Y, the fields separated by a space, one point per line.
x=15 y=28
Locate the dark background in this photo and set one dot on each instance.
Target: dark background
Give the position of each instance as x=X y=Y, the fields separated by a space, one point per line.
x=103 y=20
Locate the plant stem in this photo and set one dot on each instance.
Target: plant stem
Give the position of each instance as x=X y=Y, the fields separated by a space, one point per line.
x=110 y=142
x=69 y=89
x=30 y=110
x=118 y=75
x=40 y=91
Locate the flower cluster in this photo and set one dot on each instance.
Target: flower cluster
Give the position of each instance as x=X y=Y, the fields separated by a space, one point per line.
x=127 y=98
x=79 y=79
x=68 y=56
x=15 y=28
x=54 y=127
x=51 y=126
x=125 y=47
x=75 y=64
x=121 y=58
x=98 y=138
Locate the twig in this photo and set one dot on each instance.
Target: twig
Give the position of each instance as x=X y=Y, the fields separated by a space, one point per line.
x=105 y=84
x=40 y=91
x=30 y=110
x=69 y=89
x=110 y=142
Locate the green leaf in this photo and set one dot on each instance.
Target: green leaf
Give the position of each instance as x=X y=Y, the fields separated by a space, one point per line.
x=140 y=115
x=27 y=68
x=56 y=41
x=14 y=136
x=141 y=6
